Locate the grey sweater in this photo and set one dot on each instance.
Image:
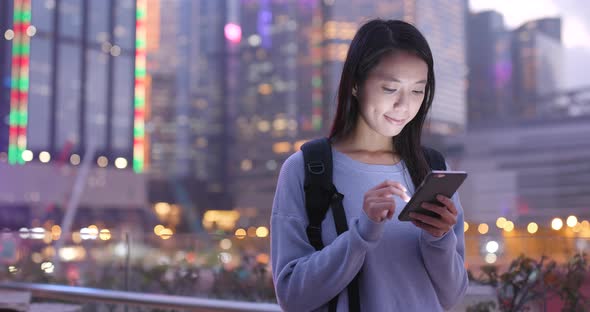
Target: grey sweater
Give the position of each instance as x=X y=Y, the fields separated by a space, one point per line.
x=402 y=267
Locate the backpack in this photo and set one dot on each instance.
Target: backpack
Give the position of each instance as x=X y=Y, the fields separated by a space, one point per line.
x=321 y=194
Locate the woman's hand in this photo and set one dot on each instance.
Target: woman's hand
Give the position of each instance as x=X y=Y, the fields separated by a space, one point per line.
x=379 y=203
x=437 y=226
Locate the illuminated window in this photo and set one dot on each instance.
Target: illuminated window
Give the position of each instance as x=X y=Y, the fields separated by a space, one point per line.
x=246 y=165
x=265 y=89
x=281 y=147
x=224 y=220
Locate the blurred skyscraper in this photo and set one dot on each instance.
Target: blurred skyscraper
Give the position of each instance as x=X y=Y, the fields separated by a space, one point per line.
x=187 y=129
x=444 y=25
x=72 y=80
x=538 y=63
x=236 y=86
x=75 y=80
x=526 y=170
x=6 y=33
x=275 y=92
x=489 y=95
x=510 y=71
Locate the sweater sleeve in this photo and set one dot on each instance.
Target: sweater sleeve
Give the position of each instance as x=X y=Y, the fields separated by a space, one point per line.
x=444 y=258
x=306 y=279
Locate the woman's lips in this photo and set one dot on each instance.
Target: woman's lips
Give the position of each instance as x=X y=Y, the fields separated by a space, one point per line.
x=395 y=121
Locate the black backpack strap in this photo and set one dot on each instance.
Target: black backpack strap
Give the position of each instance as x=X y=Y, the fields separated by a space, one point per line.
x=320 y=195
x=317 y=155
x=354 y=303
x=435 y=159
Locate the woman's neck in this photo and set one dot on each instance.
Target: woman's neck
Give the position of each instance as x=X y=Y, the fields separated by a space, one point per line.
x=367 y=147
x=363 y=138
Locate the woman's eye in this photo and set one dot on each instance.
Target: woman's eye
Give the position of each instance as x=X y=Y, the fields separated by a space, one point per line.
x=387 y=90
x=418 y=92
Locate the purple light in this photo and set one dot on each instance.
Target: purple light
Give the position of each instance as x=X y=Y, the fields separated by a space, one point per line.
x=233 y=32
x=502 y=73
x=264 y=23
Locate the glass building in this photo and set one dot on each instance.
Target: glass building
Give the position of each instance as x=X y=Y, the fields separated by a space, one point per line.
x=537 y=53
x=6 y=36
x=72 y=73
x=489 y=93
x=73 y=84
x=186 y=127
x=275 y=92
x=444 y=26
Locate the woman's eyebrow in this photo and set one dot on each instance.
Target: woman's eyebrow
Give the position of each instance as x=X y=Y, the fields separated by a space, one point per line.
x=392 y=78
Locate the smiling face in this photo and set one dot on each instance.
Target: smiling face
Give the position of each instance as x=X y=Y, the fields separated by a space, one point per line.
x=392 y=94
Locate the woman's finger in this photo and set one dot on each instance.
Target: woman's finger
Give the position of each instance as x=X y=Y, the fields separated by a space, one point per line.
x=440 y=210
x=448 y=203
x=380 y=200
x=387 y=191
x=388 y=183
x=381 y=206
x=428 y=228
x=435 y=222
x=443 y=212
x=391 y=212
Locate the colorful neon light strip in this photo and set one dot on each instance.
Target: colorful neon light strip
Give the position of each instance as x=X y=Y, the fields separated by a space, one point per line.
x=140 y=86
x=19 y=88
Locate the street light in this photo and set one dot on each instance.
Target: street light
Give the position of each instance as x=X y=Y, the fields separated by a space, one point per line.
x=556 y=224
x=532 y=228
x=571 y=221
x=483 y=228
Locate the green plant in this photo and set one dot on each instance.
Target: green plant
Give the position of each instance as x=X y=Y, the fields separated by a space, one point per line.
x=527 y=281
x=485 y=306
x=569 y=289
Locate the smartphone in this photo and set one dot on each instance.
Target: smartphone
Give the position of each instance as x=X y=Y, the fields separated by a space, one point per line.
x=436 y=182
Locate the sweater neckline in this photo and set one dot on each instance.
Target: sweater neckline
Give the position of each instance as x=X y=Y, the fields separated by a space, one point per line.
x=347 y=161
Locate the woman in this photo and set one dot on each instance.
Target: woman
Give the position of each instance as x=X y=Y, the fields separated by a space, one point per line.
x=385 y=92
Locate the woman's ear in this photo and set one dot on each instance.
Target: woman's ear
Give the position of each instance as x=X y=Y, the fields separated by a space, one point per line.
x=354 y=91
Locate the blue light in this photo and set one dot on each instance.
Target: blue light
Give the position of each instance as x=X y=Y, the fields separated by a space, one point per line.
x=6 y=82
x=264 y=24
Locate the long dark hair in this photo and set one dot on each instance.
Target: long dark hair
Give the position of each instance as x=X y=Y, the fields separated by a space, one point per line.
x=373 y=40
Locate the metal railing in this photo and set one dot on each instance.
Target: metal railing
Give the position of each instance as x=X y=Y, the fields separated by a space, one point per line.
x=85 y=295
x=475 y=293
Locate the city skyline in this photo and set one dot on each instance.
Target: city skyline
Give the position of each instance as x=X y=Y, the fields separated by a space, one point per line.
x=218 y=96
x=511 y=70
x=576 y=29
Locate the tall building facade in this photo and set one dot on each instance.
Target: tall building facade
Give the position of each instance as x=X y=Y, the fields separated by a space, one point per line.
x=444 y=26
x=512 y=74
x=236 y=86
x=275 y=92
x=489 y=92
x=74 y=75
x=527 y=170
x=6 y=36
x=537 y=54
x=186 y=127
x=72 y=81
